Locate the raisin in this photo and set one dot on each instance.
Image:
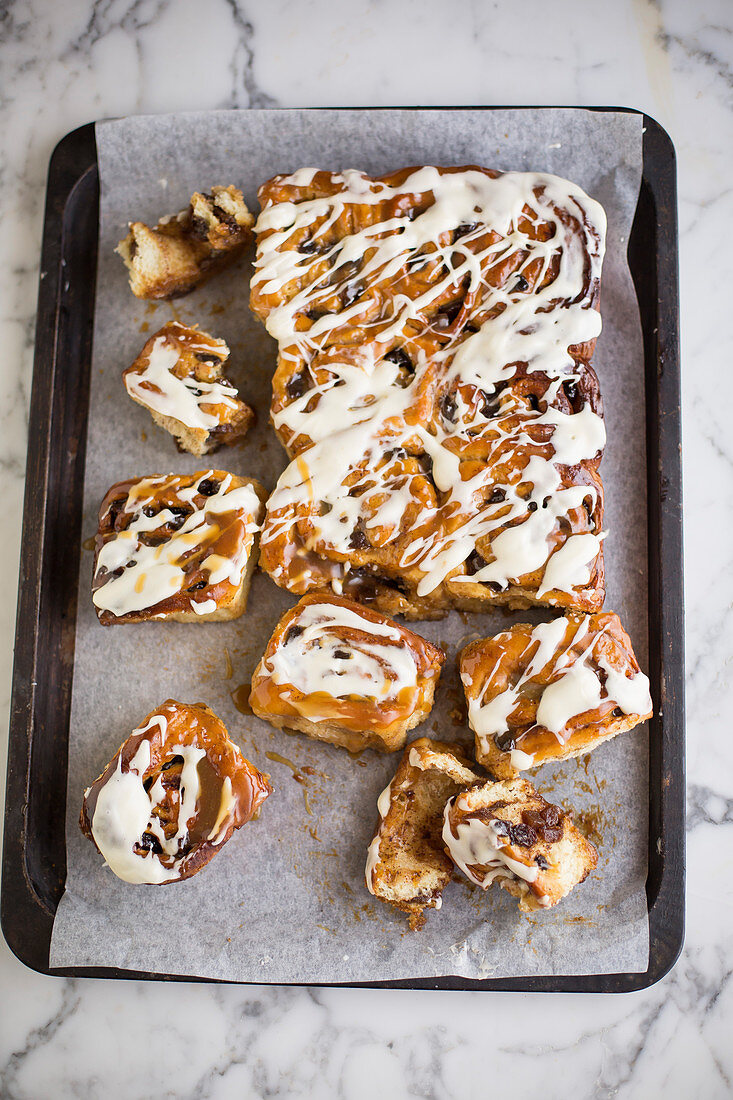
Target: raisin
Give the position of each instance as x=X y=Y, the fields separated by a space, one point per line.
x=350 y=293
x=571 y=391
x=149 y=843
x=209 y=487
x=505 y=741
x=448 y=408
x=447 y=316
x=341 y=655
x=149 y=511
x=309 y=246
x=359 y=540
x=533 y=403
x=521 y=283
x=463 y=230
x=294 y=632
x=297 y=386
x=617 y=712
x=532 y=506
x=497 y=496
x=426 y=463
x=541 y=862
x=524 y=836
x=207 y=357
x=474 y=562
x=197 y=586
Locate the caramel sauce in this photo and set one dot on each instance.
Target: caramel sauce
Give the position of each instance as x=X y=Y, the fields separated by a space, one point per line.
x=240 y=698
x=229 y=670
x=89 y=543
x=144 y=326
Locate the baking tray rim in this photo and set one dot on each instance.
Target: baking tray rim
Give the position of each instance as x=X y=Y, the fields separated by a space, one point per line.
x=26 y=918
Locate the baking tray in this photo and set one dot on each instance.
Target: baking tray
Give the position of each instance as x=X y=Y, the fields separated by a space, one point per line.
x=34 y=851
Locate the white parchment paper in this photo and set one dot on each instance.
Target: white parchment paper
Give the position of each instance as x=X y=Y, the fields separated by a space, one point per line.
x=285 y=900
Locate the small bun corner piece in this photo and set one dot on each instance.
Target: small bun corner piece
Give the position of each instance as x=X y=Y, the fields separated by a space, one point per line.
x=508 y=833
x=182 y=250
x=345 y=674
x=180 y=547
x=171 y=796
x=407 y=865
x=541 y=693
x=178 y=378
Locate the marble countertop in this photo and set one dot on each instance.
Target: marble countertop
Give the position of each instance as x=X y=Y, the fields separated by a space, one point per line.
x=65 y=64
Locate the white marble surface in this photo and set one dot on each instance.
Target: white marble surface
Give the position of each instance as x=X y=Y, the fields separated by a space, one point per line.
x=63 y=64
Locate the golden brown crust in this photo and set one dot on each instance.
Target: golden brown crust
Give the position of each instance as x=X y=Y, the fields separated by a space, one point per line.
x=178 y=388
x=390 y=675
x=208 y=525
x=231 y=790
x=503 y=667
x=182 y=250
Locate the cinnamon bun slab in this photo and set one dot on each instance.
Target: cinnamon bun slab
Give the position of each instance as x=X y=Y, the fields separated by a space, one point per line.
x=434 y=387
x=509 y=834
x=407 y=866
x=552 y=691
x=181 y=547
x=178 y=378
x=345 y=674
x=170 y=259
x=171 y=796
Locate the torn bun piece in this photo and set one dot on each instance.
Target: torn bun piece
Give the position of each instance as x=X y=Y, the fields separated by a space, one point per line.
x=178 y=378
x=179 y=547
x=171 y=258
x=342 y=673
x=407 y=866
x=549 y=692
x=171 y=796
x=509 y=834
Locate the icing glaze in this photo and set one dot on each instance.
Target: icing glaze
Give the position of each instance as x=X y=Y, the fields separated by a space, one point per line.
x=181 y=395
x=477 y=849
x=530 y=318
x=134 y=571
x=566 y=664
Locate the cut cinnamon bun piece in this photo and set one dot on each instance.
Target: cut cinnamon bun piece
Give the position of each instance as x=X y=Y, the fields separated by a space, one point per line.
x=345 y=674
x=181 y=547
x=552 y=691
x=407 y=866
x=178 y=378
x=171 y=258
x=509 y=834
x=171 y=796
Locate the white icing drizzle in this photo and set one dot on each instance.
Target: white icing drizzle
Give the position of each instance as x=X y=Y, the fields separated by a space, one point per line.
x=575 y=685
x=374 y=413
x=124 y=811
x=151 y=574
x=186 y=399
x=383 y=803
x=480 y=844
x=323 y=659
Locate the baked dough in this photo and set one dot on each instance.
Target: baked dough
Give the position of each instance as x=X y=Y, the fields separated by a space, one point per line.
x=434 y=387
x=549 y=692
x=178 y=378
x=182 y=250
x=407 y=865
x=345 y=674
x=180 y=547
x=508 y=833
x=171 y=796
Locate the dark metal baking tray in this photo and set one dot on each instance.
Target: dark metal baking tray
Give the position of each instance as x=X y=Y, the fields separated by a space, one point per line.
x=34 y=855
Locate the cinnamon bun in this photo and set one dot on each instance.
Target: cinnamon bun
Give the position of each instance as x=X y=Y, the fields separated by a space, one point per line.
x=171 y=796
x=178 y=378
x=552 y=691
x=345 y=674
x=180 y=547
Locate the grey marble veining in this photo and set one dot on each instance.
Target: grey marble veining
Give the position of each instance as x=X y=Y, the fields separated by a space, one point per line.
x=64 y=64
